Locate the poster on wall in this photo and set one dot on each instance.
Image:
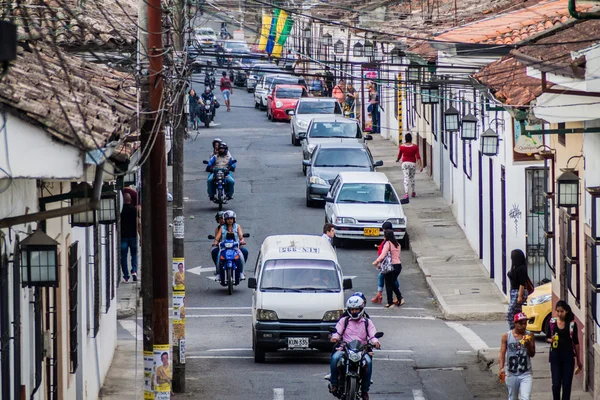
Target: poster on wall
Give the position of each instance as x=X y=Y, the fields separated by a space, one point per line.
x=162 y=372
x=370 y=77
x=526 y=143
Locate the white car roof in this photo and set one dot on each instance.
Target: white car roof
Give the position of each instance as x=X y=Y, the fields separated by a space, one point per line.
x=318 y=99
x=363 y=177
x=296 y=247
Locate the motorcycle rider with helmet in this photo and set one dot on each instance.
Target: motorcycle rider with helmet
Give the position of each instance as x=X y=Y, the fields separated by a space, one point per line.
x=230 y=226
x=215 y=145
x=209 y=77
x=355 y=326
x=222 y=159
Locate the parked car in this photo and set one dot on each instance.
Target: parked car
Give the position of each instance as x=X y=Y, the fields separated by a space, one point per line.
x=242 y=65
x=539 y=309
x=257 y=71
x=267 y=84
x=236 y=46
x=328 y=160
x=358 y=203
x=206 y=37
x=308 y=108
x=282 y=101
x=330 y=128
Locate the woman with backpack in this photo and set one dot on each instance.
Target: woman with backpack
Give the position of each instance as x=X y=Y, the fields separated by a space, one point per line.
x=564 y=350
x=390 y=267
x=380 y=278
x=518 y=285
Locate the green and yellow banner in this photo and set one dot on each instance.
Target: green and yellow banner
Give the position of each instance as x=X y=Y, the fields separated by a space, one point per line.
x=281 y=22
x=264 y=32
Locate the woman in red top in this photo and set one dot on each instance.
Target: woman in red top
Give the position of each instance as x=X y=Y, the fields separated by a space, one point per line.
x=409 y=154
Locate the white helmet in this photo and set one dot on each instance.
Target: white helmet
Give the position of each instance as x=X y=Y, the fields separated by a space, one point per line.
x=355 y=301
x=229 y=214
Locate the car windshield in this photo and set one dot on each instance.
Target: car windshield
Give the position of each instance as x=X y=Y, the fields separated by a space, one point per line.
x=342 y=158
x=348 y=130
x=374 y=193
x=278 y=81
x=205 y=32
x=236 y=45
x=281 y=275
x=289 y=93
x=317 y=107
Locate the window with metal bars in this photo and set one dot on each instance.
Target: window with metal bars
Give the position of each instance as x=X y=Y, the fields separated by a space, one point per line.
x=73 y=306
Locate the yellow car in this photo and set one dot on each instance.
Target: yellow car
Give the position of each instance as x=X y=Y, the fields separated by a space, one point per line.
x=539 y=308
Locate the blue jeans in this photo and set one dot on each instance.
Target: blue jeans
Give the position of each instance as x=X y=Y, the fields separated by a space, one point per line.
x=562 y=369
x=128 y=244
x=214 y=253
x=380 y=282
x=229 y=184
x=366 y=375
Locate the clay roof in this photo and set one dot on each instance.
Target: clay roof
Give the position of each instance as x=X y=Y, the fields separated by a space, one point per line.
x=79 y=103
x=513 y=27
x=78 y=24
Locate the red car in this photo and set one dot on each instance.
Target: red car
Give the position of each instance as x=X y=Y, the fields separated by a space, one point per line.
x=283 y=100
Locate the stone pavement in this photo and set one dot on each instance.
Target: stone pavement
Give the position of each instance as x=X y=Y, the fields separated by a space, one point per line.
x=542 y=379
x=454 y=273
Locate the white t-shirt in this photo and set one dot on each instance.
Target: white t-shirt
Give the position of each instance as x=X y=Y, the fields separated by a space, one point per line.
x=327 y=237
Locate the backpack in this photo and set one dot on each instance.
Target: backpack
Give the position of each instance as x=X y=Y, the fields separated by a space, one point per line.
x=347 y=320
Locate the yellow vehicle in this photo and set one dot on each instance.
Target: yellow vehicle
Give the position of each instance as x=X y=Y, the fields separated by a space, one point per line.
x=539 y=308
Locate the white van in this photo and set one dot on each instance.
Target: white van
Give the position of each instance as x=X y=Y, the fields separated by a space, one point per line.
x=298 y=294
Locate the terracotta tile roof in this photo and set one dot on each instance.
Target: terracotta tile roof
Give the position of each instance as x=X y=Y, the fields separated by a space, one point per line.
x=508 y=82
x=513 y=27
x=97 y=105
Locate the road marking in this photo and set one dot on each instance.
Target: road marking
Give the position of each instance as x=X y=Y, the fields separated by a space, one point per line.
x=132 y=327
x=217 y=308
x=469 y=336
x=350 y=276
x=464 y=352
x=418 y=394
x=423 y=317
x=218 y=316
x=396 y=351
x=278 y=394
x=217 y=357
x=240 y=349
x=199 y=269
x=428 y=318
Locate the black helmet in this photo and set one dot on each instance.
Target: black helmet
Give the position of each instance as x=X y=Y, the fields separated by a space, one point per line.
x=223 y=146
x=209 y=62
x=219 y=215
x=207 y=89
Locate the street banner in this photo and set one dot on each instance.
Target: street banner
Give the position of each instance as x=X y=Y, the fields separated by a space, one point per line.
x=281 y=21
x=264 y=32
x=273 y=31
x=287 y=28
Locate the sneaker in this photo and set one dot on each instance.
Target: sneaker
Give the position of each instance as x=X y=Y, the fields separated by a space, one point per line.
x=365 y=396
x=333 y=388
x=242 y=276
x=405 y=196
x=211 y=198
x=414 y=194
x=229 y=198
x=126 y=280
x=134 y=276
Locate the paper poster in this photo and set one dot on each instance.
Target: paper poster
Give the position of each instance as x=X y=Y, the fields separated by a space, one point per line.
x=162 y=372
x=178 y=274
x=178 y=316
x=148 y=375
x=179 y=227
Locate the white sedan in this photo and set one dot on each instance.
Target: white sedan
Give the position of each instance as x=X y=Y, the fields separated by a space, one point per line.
x=358 y=204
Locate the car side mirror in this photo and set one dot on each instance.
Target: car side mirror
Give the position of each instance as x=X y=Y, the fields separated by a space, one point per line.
x=347 y=283
x=379 y=335
x=378 y=163
x=329 y=199
x=302 y=135
x=306 y=163
x=246 y=235
x=368 y=137
x=404 y=201
x=211 y=236
x=332 y=329
x=204 y=162
x=234 y=161
x=292 y=112
x=251 y=283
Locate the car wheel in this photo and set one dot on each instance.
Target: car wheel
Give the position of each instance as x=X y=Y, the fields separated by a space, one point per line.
x=309 y=203
x=304 y=170
x=273 y=118
x=268 y=115
x=256 y=105
x=296 y=141
x=259 y=352
x=405 y=242
x=261 y=106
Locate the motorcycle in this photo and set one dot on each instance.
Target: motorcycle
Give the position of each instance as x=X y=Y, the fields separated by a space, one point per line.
x=209 y=79
x=229 y=275
x=350 y=367
x=207 y=112
x=219 y=182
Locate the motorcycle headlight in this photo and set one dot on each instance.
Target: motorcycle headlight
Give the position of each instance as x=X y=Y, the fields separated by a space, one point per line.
x=315 y=180
x=396 y=221
x=278 y=104
x=344 y=220
x=302 y=123
x=228 y=245
x=333 y=315
x=539 y=300
x=266 y=315
x=354 y=357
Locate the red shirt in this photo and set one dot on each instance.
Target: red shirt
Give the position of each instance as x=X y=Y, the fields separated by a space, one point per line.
x=225 y=84
x=409 y=153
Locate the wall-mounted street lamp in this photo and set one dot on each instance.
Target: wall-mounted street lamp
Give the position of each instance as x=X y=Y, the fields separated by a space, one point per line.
x=307 y=32
x=490 y=142
x=107 y=214
x=327 y=40
x=430 y=93
x=397 y=55
x=357 y=50
x=451 y=119
x=368 y=49
x=339 y=47
x=413 y=74
x=567 y=188
x=82 y=194
x=468 y=128
x=39 y=260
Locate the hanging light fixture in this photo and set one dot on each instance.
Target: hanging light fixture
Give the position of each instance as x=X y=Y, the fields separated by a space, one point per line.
x=107 y=214
x=430 y=93
x=451 y=119
x=307 y=32
x=368 y=49
x=339 y=47
x=567 y=189
x=468 y=128
x=82 y=194
x=489 y=142
x=414 y=73
x=327 y=40
x=397 y=55
x=357 y=50
x=39 y=260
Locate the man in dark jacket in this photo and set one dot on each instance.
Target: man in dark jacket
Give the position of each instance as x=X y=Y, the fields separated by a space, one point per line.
x=329 y=78
x=129 y=231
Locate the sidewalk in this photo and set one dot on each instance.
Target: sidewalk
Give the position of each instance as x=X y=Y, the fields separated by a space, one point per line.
x=542 y=379
x=453 y=271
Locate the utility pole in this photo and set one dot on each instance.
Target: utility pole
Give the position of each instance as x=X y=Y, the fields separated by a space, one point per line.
x=179 y=128
x=158 y=196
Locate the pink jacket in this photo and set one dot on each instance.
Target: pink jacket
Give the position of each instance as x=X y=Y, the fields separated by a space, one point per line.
x=388 y=246
x=356 y=331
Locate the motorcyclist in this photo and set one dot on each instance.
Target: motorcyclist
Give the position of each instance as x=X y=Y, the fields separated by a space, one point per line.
x=208 y=98
x=215 y=144
x=209 y=77
x=355 y=326
x=221 y=160
x=230 y=226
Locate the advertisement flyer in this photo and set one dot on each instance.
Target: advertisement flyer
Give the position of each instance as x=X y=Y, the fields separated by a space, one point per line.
x=178 y=274
x=162 y=372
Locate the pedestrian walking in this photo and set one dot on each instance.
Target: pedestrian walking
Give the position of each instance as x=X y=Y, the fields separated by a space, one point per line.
x=328 y=232
x=564 y=350
x=350 y=100
x=390 y=254
x=194 y=102
x=517 y=347
x=373 y=108
x=329 y=78
x=380 y=280
x=226 y=90
x=518 y=285
x=129 y=231
x=339 y=92
x=408 y=153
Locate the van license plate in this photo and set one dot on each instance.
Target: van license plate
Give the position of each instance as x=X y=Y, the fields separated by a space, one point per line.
x=297 y=342
x=371 y=231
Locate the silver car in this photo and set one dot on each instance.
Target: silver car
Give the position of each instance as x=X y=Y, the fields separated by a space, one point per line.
x=257 y=71
x=329 y=129
x=310 y=107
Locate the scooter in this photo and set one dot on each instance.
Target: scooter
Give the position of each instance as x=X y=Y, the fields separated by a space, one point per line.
x=219 y=182
x=350 y=367
x=209 y=79
x=229 y=256
x=207 y=112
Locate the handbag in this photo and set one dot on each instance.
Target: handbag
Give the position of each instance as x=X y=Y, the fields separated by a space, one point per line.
x=386 y=265
x=529 y=287
x=217 y=104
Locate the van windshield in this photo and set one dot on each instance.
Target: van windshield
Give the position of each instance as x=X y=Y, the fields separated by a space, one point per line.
x=300 y=275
